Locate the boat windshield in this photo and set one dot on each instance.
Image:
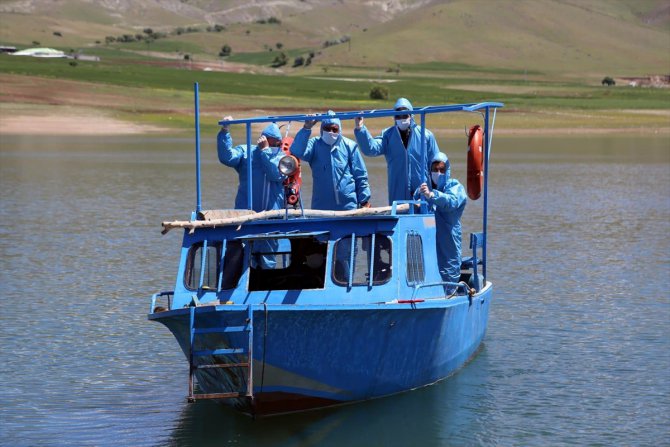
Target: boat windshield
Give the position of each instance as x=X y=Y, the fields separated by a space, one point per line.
x=287 y=263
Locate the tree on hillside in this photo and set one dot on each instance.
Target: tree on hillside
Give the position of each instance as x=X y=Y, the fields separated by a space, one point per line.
x=225 y=51
x=608 y=81
x=379 y=92
x=280 y=60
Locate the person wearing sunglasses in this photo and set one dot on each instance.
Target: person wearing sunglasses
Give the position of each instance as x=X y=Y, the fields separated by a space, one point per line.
x=407 y=165
x=447 y=197
x=339 y=175
x=267 y=188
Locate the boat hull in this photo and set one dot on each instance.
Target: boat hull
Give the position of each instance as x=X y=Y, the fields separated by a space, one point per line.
x=307 y=357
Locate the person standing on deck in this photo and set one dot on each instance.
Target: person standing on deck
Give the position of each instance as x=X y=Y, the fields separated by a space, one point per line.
x=339 y=175
x=267 y=182
x=267 y=189
x=407 y=164
x=448 y=198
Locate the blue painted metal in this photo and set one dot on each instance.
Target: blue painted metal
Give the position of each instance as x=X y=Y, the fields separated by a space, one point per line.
x=282 y=235
x=427 y=110
x=486 y=189
x=423 y=146
x=274 y=351
x=203 y=260
x=250 y=154
x=198 y=203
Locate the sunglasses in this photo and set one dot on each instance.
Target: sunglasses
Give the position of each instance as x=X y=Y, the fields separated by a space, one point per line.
x=331 y=128
x=401 y=117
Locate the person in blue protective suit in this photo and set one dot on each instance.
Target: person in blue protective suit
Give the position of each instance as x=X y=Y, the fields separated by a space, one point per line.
x=267 y=181
x=447 y=197
x=407 y=163
x=339 y=175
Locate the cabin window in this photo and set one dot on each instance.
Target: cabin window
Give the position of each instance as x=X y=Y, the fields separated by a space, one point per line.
x=362 y=260
x=287 y=264
x=232 y=263
x=415 y=269
x=194 y=266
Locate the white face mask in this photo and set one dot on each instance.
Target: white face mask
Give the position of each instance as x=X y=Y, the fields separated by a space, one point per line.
x=436 y=177
x=403 y=124
x=329 y=137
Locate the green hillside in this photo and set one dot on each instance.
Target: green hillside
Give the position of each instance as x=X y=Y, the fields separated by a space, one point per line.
x=562 y=37
x=544 y=58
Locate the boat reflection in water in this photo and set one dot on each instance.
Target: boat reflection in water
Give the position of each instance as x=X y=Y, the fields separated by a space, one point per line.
x=344 y=306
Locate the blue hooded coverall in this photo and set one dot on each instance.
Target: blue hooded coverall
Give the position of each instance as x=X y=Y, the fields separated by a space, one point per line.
x=407 y=168
x=339 y=175
x=267 y=182
x=448 y=202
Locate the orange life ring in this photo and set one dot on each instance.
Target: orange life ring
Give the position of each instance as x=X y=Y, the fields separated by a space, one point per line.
x=475 y=162
x=293 y=183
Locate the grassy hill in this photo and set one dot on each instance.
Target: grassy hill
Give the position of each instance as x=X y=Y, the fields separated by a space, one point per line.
x=619 y=37
x=543 y=58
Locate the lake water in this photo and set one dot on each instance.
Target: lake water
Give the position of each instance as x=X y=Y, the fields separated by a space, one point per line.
x=577 y=351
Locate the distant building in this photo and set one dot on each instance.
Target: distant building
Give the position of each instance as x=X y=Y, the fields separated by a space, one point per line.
x=40 y=52
x=5 y=49
x=86 y=57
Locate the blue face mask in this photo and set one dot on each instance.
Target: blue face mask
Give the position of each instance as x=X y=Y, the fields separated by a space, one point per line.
x=329 y=137
x=438 y=178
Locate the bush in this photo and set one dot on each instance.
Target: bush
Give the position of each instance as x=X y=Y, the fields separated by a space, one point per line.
x=608 y=81
x=225 y=51
x=298 y=61
x=379 y=92
x=280 y=60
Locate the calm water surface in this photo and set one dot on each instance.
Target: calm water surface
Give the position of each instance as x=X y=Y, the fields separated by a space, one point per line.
x=577 y=351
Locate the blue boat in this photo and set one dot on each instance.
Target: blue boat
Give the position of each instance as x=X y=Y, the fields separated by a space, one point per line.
x=353 y=308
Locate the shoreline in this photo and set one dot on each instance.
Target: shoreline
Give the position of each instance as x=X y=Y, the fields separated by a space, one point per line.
x=100 y=125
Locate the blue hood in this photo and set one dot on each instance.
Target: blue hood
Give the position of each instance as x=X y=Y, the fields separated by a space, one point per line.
x=403 y=102
x=272 y=131
x=333 y=120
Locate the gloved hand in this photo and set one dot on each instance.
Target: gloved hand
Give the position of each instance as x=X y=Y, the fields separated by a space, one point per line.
x=263 y=142
x=427 y=193
x=226 y=126
x=309 y=123
x=359 y=121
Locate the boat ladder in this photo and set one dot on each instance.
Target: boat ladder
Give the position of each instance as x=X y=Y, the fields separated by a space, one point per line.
x=248 y=327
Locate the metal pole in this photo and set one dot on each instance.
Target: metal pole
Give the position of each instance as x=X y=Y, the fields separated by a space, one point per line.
x=486 y=190
x=424 y=149
x=249 y=173
x=198 y=204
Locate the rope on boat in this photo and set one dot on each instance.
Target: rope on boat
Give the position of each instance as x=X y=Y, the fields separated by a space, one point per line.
x=244 y=216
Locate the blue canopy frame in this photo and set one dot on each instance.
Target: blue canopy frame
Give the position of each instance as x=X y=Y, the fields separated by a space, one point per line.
x=483 y=108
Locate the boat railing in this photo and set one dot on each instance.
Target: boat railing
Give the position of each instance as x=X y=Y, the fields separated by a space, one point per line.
x=487 y=110
x=156 y=296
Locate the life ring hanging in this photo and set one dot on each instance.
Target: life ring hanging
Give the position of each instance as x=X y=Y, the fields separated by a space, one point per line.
x=475 y=162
